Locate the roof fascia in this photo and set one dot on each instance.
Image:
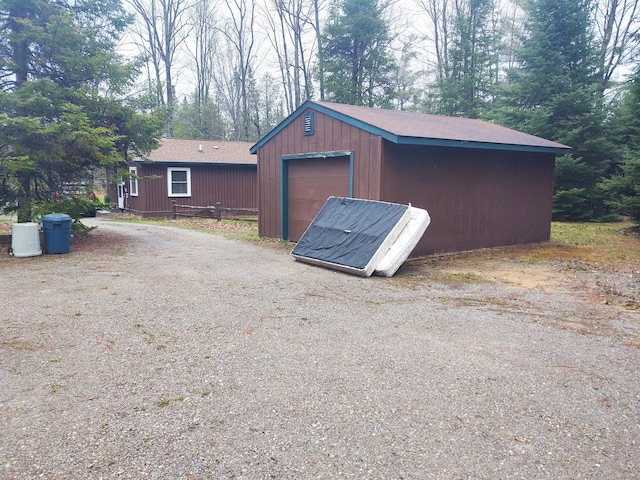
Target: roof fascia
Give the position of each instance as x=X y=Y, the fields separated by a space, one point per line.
x=401 y=140
x=434 y=142
x=186 y=164
x=367 y=127
x=281 y=126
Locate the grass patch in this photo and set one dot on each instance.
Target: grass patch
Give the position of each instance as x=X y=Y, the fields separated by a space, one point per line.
x=607 y=243
x=598 y=242
x=464 y=277
x=235 y=229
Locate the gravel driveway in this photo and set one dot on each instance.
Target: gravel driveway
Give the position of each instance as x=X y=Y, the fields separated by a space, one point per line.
x=173 y=354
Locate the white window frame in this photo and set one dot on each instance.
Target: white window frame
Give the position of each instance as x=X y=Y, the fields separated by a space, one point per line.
x=170 y=171
x=133 y=181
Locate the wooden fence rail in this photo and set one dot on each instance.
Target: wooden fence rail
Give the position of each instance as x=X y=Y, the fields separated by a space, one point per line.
x=216 y=211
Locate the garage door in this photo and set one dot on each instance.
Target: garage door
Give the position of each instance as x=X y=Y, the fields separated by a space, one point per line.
x=311 y=182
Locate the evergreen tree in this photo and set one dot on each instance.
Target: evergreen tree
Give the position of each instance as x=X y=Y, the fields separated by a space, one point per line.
x=357 y=66
x=622 y=189
x=199 y=121
x=57 y=122
x=554 y=82
x=553 y=95
x=464 y=89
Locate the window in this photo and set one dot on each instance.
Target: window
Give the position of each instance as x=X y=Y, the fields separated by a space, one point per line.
x=133 y=181
x=179 y=182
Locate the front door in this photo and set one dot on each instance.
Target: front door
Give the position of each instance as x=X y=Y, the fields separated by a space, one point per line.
x=121 y=194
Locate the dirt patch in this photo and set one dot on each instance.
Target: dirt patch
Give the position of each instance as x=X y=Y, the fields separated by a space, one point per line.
x=532 y=276
x=98 y=239
x=94 y=240
x=597 y=282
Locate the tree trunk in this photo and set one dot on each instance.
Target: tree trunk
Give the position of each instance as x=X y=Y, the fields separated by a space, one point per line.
x=320 y=50
x=24 y=199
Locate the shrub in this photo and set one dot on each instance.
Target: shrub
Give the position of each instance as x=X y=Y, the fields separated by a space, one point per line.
x=76 y=208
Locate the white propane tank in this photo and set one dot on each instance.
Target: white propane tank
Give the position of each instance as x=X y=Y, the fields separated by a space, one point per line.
x=25 y=240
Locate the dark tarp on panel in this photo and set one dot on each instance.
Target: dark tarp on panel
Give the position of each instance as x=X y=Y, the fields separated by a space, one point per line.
x=349 y=231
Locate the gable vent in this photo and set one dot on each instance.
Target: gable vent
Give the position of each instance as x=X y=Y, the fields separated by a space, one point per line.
x=308 y=123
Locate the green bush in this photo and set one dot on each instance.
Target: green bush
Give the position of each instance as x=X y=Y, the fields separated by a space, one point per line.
x=76 y=208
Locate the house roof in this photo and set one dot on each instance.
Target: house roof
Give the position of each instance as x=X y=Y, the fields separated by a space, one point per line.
x=411 y=128
x=179 y=151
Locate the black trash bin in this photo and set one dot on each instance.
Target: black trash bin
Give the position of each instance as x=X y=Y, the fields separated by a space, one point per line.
x=57 y=232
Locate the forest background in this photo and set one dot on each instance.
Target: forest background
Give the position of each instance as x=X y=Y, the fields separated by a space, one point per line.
x=86 y=83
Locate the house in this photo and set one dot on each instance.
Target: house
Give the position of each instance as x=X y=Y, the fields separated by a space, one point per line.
x=189 y=172
x=483 y=185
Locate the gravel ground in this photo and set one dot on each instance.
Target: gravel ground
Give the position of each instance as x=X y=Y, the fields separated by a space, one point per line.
x=172 y=354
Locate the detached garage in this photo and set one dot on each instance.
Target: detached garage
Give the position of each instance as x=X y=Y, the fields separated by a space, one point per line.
x=483 y=185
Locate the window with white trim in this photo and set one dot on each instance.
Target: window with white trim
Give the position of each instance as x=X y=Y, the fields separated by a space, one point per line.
x=133 y=181
x=179 y=182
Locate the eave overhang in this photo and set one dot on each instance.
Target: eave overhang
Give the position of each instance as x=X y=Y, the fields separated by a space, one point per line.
x=405 y=140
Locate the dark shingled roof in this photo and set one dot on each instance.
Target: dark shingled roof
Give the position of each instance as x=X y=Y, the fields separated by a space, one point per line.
x=410 y=128
x=174 y=150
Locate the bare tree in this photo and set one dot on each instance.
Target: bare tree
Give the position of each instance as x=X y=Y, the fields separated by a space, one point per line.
x=317 y=5
x=149 y=49
x=203 y=51
x=278 y=36
x=227 y=91
x=162 y=29
x=509 y=16
x=288 y=35
x=290 y=26
x=239 y=31
x=617 y=24
x=438 y=34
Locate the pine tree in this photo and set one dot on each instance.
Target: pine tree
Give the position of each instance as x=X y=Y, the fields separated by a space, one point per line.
x=622 y=189
x=357 y=65
x=553 y=95
x=57 y=124
x=464 y=90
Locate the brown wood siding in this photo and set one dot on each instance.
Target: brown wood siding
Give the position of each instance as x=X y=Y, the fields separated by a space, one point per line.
x=330 y=135
x=311 y=182
x=232 y=186
x=269 y=189
x=476 y=198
